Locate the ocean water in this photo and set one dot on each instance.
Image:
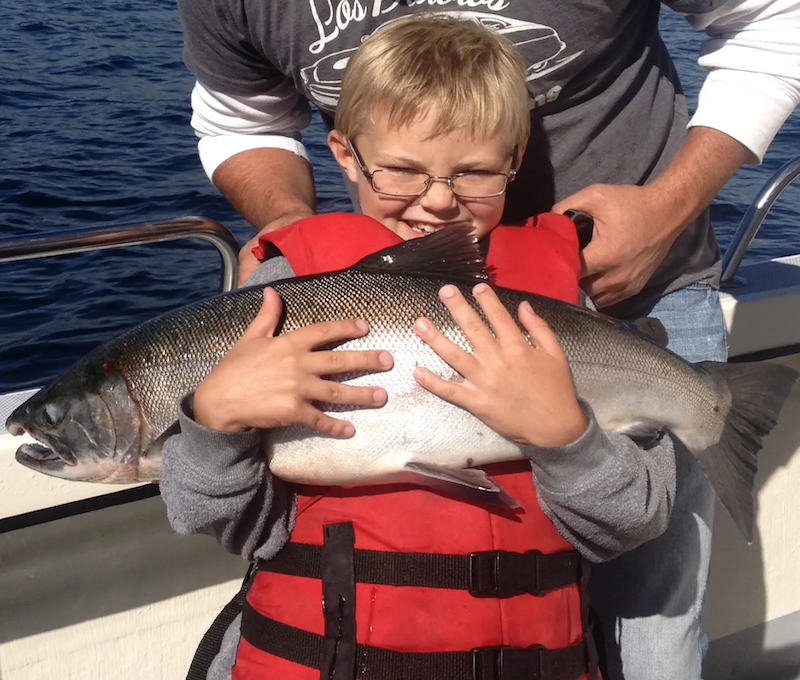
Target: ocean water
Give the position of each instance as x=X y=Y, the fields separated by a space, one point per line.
x=94 y=131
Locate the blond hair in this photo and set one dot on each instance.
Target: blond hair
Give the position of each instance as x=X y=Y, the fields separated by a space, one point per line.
x=465 y=76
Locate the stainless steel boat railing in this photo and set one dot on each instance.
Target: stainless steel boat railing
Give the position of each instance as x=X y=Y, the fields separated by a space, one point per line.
x=67 y=242
x=752 y=220
x=77 y=241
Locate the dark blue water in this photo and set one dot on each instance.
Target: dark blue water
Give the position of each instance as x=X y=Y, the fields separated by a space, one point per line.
x=94 y=131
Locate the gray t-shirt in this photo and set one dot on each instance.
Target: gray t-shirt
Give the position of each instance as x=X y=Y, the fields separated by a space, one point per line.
x=607 y=103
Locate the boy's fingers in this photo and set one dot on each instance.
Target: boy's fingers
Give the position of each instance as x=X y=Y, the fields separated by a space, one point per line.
x=444 y=389
x=502 y=323
x=466 y=317
x=330 y=392
x=327 y=332
x=541 y=336
x=268 y=316
x=321 y=422
x=345 y=361
x=452 y=354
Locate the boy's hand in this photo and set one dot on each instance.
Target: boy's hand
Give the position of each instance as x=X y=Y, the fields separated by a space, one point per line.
x=266 y=382
x=522 y=390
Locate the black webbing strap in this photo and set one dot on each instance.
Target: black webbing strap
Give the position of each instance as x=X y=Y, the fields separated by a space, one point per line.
x=376 y=663
x=337 y=659
x=587 y=620
x=494 y=573
x=212 y=640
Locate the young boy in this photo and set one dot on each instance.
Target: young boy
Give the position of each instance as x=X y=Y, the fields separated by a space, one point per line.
x=398 y=582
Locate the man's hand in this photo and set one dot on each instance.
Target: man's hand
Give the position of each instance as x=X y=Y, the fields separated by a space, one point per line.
x=633 y=233
x=636 y=226
x=247 y=261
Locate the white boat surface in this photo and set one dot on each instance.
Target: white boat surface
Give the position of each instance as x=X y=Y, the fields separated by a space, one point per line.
x=113 y=593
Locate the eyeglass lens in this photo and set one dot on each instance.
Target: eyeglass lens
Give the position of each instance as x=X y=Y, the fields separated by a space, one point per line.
x=468 y=185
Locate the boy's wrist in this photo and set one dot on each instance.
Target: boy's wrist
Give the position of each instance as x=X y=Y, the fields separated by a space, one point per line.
x=207 y=413
x=571 y=427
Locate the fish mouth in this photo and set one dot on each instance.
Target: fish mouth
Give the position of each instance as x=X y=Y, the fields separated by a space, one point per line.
x=45 y=453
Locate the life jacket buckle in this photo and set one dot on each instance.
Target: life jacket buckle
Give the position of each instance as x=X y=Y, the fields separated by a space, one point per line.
x=507 y=663
x=500 y=573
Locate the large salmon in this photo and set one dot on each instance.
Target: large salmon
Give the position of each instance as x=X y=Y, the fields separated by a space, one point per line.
x=103 y=420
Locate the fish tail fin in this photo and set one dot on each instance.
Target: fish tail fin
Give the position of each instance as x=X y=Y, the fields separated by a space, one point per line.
x=758 y=392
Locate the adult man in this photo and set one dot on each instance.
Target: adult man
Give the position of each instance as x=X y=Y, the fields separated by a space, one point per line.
x=607 y=102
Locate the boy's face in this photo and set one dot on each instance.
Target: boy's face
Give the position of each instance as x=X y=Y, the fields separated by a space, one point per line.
x=413 y=149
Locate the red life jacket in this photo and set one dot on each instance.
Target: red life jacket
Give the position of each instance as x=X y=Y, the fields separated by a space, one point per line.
x=284 y=627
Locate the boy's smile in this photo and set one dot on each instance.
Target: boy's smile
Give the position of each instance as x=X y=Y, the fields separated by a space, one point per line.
x=414 y=149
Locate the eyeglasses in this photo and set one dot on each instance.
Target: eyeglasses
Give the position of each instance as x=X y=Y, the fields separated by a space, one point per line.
x=408 y=184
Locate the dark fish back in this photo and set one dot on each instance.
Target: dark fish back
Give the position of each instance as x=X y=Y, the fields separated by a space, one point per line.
x=167 y=357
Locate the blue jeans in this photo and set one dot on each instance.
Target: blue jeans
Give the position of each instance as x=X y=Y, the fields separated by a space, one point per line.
x=649 y=602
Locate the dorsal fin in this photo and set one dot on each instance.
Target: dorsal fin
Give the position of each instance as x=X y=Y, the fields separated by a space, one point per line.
x=451 y=253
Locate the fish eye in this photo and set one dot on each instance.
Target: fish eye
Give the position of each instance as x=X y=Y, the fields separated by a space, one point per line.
x=51 y=415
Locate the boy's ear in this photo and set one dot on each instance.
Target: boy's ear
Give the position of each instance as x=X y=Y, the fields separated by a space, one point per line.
x=337 y=143
x=521 y=152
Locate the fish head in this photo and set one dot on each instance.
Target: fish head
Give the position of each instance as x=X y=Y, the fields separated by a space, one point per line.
x=87 y=425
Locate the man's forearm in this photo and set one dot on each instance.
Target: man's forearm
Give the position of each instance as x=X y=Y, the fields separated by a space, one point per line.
x=698 y=171
x=266 y=185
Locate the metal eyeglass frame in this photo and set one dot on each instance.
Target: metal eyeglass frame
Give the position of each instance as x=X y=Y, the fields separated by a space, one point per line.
x=512 y=174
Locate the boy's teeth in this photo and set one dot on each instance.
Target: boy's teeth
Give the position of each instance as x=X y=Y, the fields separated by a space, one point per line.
x=427 y=228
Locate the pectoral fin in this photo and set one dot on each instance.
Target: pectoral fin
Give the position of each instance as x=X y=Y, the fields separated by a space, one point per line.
x=150 y=459
x=472 y=483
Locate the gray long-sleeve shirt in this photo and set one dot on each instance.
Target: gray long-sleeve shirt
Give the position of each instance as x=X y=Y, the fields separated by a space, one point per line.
x=604 y=493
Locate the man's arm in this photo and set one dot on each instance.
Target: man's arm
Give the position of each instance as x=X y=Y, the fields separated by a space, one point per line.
x=270 y=188
x=250 y=148
x=266 y=185
x=753 y=54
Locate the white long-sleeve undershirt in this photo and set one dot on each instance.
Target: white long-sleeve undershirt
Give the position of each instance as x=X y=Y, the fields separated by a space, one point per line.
x=228 y=125
x=752 y=54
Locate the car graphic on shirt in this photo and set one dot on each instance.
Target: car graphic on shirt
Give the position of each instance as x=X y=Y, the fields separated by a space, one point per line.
x=323 y=79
